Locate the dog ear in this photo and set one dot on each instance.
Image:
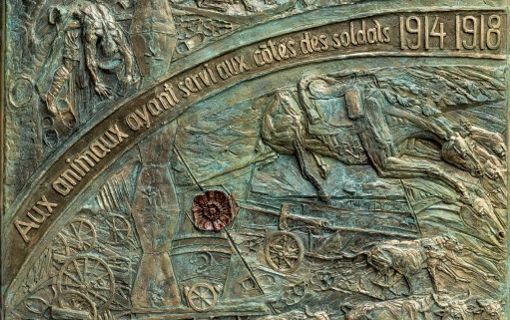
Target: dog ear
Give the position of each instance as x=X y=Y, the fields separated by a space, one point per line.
x=346 y=307
x=440 y=313
x=55 y=14
x=474 y=309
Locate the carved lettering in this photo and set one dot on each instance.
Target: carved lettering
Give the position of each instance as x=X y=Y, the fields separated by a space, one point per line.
x=24 y=227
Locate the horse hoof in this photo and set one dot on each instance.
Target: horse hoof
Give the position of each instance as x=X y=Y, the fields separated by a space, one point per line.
x=324 y=197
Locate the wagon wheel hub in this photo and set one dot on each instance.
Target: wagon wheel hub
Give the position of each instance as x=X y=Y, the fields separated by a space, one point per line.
x=284 y=251
x=202 y=297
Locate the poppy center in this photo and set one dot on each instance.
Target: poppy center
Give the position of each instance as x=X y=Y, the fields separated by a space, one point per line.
x=212 y=211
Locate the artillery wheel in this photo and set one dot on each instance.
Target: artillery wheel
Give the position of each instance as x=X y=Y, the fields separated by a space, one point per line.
x=284 y=251
x=80 y=235
x=74 y=300
x=202 y=297
x=119 y=227
x=90 y=276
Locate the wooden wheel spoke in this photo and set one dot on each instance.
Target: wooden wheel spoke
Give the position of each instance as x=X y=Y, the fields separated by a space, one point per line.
x=73 y=228
x=97 y=287
x=72 y=277
x=98 y=277
x=80 y=226
x=76 y=266
x=276 y=248
x=289 y=264
x=85 y=262
x=97 y=264
x=86 y=276
x=89 y=232
x=109 y=223
x=97 y=295
x=292 y=247
x=71 y=285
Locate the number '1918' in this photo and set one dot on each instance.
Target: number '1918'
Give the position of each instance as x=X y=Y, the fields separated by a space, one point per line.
x=478 y=32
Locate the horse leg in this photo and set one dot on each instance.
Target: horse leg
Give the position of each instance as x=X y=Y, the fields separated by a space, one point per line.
x=303 y=157
x=323 y=167
x=378 y=143
x=433 y=277
x=395 y=167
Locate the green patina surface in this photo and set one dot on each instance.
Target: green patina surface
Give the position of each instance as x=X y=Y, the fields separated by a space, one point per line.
x=255 y=160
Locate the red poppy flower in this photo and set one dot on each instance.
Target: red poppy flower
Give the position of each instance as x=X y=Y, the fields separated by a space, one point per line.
x=213 y=210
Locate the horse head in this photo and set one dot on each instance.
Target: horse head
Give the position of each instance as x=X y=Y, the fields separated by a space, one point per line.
x=382 y=258
x=456 y=151
x=473 y=158
x=479 y=214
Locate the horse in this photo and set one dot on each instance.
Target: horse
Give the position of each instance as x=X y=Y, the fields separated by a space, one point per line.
x=374 y=131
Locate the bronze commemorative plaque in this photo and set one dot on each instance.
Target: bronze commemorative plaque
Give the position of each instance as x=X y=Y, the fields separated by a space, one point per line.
x=254 y=159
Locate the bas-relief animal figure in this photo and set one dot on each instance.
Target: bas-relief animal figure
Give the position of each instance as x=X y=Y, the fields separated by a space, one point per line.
x=298 y=315
x=293 y=125
x=441 y=254
x=431 y=307
x=222 y=5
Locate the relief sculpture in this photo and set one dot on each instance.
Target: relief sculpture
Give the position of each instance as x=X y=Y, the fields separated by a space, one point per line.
x=241 y=243
x=255 y=159
x=89 y=28
x=367 y=110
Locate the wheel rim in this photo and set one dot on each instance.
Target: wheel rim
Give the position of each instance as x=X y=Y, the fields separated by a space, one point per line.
x=90 y=276
x=284 y=251
x=77 y=301
x=120 y=229
x=80 y=235
x=202 y=297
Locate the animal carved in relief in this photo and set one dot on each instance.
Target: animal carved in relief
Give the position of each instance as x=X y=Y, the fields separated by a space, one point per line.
x=434 y=306
x=293 y=125
x=223 y=5
x=299 y=315
x=436 y=255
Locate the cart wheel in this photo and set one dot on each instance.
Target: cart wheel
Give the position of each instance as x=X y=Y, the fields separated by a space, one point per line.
x=90 y=276
x=119 y=228
x=284 y=251
x=76 y=301
x=201 y=297
x=80 y=235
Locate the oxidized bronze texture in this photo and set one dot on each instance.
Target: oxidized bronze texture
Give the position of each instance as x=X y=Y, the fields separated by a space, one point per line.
x=255 y=159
